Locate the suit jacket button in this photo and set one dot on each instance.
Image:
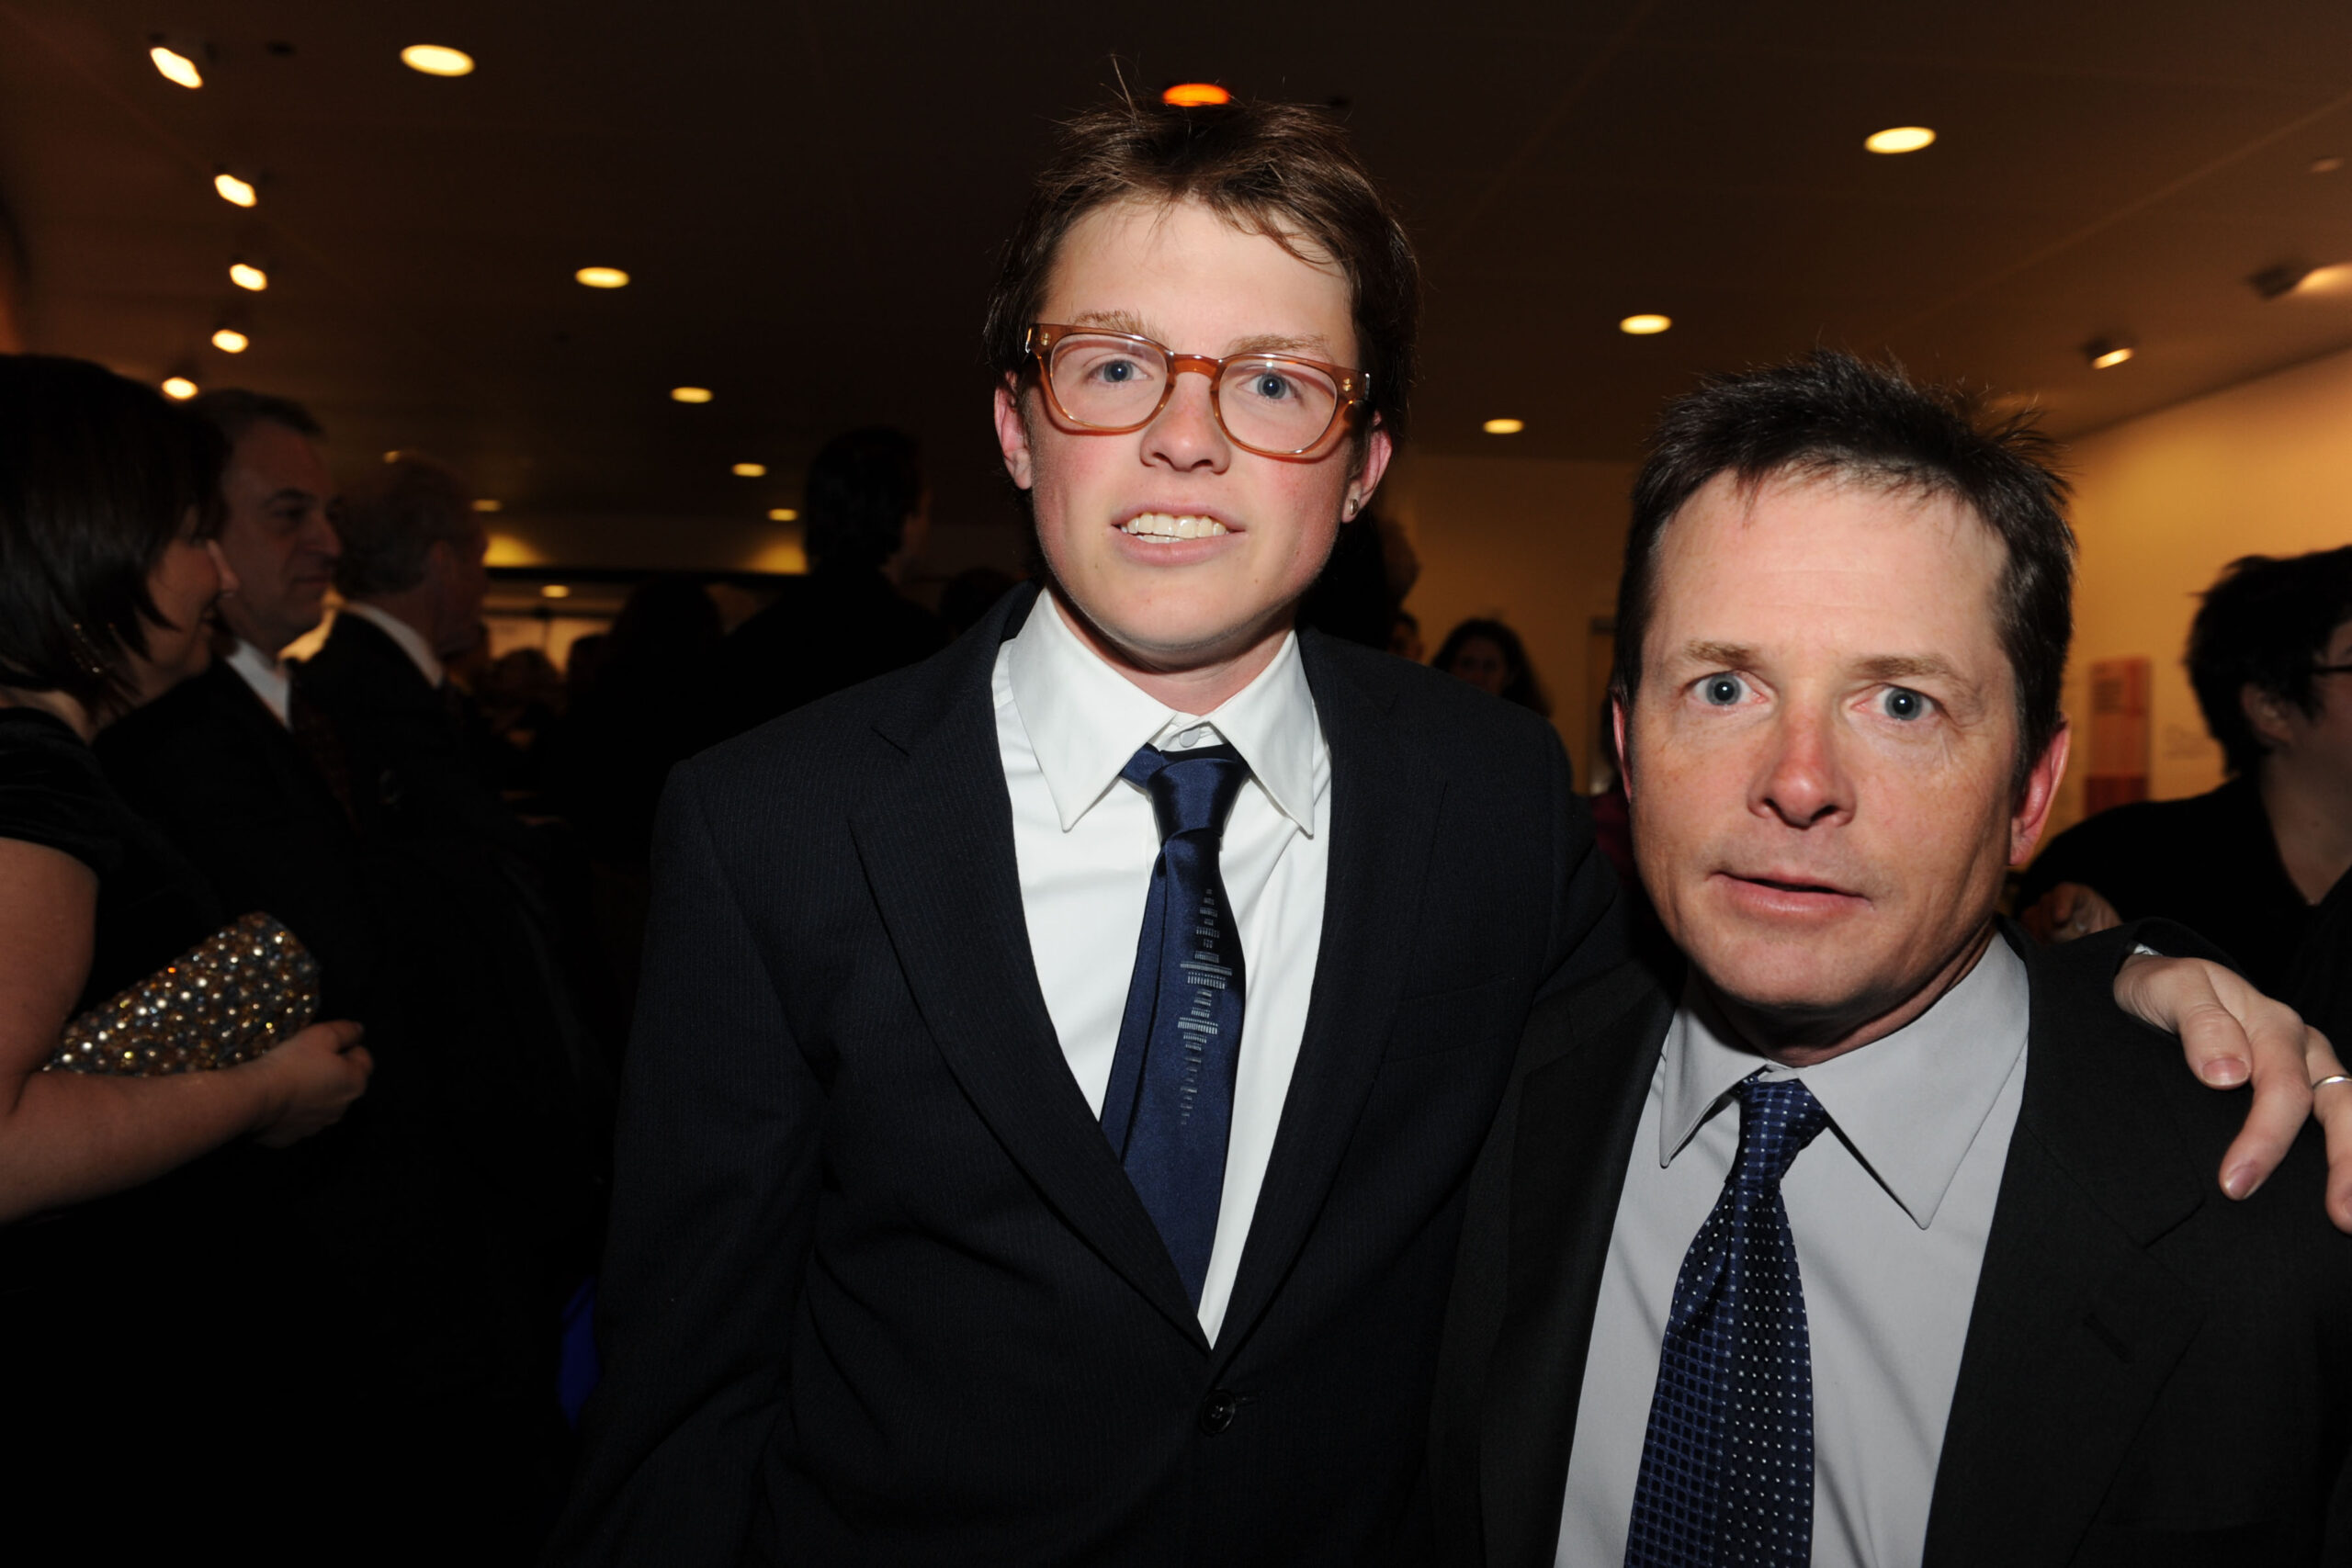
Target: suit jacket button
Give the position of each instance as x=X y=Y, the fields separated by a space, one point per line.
x=1217 y=1411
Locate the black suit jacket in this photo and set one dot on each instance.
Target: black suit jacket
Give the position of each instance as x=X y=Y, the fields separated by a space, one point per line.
x=877 y=1288
x=827 y=631
x=2153 y=1374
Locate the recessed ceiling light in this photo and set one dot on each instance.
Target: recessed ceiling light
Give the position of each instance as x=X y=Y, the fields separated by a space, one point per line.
x=175 y=66
x=1195 y=95
x=1900 y=138
x=437 y=60
x=750 y=471
x=2105 y=354
x=2336 y=279
x=554 y=591
x=1645 y=325
x=602 y=277
x=179 y=387
x=783 y=515
x=250 y=278
x=690 y=394
x=2327 y=165
x=1504 y=426
x=233 y=191
x=488 y=503
x=229 y=339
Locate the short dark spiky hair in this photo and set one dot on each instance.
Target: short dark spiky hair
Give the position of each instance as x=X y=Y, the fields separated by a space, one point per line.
x=1831 y=416
x=1282 y=170
x=233 y=410
x=98 y=474
x=2264 y=623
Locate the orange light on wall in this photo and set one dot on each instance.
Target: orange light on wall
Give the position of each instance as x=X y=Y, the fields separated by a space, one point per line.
x=1195 y=95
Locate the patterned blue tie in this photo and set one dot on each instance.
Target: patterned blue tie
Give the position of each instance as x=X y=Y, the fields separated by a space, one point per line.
x=1727 y=1470
x=1170 y=1103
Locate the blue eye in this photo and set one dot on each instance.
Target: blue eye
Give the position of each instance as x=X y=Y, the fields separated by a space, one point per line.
x=1901 y=703
x=1722 y=691
x=1271 y=387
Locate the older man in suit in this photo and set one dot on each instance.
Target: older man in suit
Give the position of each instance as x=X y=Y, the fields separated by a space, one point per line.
x=1875 y=1236
x=1059 y=1063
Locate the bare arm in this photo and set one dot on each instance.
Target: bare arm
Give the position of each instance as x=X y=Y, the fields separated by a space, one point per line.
x=68 y=1138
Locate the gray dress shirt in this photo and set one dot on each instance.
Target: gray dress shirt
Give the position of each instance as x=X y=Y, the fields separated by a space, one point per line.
x=1890 y=1209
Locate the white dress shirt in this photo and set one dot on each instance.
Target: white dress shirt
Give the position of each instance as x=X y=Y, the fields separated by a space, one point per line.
x=1085 y=838
x=1889 y=1206
x=411 y=641
x=267 y=676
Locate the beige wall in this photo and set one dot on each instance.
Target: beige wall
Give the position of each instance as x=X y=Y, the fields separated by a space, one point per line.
x=1535 y=543
x=2162 y=503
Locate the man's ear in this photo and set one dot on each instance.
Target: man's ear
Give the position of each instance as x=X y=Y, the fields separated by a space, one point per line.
x=1372 y=463
x=2039 y=793
x=2266 y=713
x=1012 y=433
x=1617 y=722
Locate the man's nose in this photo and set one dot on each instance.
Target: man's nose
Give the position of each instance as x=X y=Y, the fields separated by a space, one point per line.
x=319 y=536
x=1186 y=436
x=1804 y=781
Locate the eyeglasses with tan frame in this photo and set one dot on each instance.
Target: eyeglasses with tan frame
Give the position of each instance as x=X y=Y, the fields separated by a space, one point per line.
x=1111 y=383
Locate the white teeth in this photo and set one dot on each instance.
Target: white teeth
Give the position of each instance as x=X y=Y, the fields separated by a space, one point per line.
x=1166 y=525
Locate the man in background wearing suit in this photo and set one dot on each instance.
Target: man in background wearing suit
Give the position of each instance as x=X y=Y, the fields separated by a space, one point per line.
x=1879 y=1235
x=426 y=1352
x=1059 y=1063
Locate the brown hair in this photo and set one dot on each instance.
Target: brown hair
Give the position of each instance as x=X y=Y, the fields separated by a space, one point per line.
x=1281 y=170
x=97 y=477
x=391 y=520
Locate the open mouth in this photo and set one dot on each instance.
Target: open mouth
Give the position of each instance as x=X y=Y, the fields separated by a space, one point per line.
x=1172 y=525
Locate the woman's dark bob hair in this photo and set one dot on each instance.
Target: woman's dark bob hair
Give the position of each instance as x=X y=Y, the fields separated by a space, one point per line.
x=98 y=474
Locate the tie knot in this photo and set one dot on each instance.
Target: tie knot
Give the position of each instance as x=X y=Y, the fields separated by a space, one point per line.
x=1190 y=791
x=1777 y=1119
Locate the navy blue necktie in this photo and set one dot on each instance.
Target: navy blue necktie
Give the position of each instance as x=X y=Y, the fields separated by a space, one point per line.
x=1170 y=1103
x=1727 y=1470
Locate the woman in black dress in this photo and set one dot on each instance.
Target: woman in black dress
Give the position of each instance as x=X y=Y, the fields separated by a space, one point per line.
x=135 y=1248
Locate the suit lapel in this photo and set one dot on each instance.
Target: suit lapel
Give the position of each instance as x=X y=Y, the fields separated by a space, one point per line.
x=937 y=847
x=2075 y=1328
x=1573 y=1133
x=1386 y=796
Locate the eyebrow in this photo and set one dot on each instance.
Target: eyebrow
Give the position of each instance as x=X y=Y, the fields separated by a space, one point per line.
x=293 y=493
x=1257 y=342
x=1882 y=667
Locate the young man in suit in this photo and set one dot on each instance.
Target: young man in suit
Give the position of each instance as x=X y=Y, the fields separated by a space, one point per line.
x=1058 y=1062
x=1878 y=1236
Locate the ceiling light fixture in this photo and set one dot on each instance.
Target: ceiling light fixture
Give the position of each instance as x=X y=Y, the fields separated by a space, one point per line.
x=437 y=60
x=1195 y=95
x=690 y=394
x=234 y=191
x=783 y=515
x=2326 y=165
x=229 y=339
x=555 y=591
x=750 y=471
x=2283 y=279
x=1504 y=426
x=2105 y=353
x=488 y=503
x=1900 y=138
x=1645 y=325
x=247 y=277
x=179 y=388
x=175 y=66
x=602 y=277
x=2336 y=279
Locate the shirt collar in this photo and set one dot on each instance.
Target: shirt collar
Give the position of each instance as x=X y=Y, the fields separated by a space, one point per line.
x=411 y=641
x=1910 y=1105
x=1085 y=720
x=266 y=674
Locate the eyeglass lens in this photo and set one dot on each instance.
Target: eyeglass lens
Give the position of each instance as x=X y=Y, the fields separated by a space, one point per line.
x=1266 y=401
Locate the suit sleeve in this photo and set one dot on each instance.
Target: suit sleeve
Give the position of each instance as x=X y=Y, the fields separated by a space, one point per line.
x=713 y=1206
x=1589 y=919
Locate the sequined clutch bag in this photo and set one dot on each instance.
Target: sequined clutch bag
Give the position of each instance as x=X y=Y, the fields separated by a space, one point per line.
x=242 y=990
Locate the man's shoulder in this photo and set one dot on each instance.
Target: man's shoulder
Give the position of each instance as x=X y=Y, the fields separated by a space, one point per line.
x=205 y=715
x=1437 y=706
x=832 y=751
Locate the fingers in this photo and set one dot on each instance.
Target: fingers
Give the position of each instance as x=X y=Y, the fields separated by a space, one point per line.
x=2282 y=1102
x=2177 y=996
x=2230 y=1033
x=2332 y=1105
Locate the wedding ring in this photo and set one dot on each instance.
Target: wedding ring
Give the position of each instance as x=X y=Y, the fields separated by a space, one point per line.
x=2332 y=1077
